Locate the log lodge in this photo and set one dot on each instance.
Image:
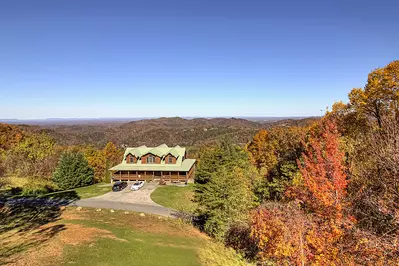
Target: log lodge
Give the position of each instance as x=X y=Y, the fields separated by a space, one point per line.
x=160 y=163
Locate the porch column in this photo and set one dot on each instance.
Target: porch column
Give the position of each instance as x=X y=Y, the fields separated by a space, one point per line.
x=112 y=175
x=128 y=175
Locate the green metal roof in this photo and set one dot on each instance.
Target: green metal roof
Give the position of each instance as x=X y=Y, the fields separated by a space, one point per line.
x=185 y=166
x=161 y=151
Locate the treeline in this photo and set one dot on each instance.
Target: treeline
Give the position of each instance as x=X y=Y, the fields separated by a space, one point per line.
x=36 y=157
x=153 y=132
x=324 y=194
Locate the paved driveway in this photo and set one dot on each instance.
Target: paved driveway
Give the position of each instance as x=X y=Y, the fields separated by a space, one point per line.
x=141 y=196
x=138 y=201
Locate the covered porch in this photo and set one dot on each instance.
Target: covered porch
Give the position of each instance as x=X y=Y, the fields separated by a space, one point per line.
x=129 y=175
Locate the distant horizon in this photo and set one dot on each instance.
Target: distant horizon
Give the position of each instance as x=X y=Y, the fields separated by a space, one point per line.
x=87 y=121
x=154 y=117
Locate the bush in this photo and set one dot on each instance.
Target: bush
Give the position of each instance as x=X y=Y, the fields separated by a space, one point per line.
x=239 y=238
x=73 y=171
x=37 y=186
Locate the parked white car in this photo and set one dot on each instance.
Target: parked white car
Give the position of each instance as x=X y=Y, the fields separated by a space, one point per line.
x=137 y=185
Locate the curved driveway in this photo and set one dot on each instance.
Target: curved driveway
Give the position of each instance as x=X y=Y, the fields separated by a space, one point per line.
x=138 y=201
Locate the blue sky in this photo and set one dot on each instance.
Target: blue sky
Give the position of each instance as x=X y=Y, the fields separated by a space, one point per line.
x=188 y=58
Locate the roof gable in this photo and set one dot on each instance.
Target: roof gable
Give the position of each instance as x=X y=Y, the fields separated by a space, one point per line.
x=161 y=151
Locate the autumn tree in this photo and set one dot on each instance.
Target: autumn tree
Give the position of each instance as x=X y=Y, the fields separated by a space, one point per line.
x=369 y=124
x=380 y=96
x=274 y=152
x=112 y=156
x=262 y=150
x=9 y=136
x=324 y=173
x=97 y=162
x=35 y=155
x=309 y=229
x=102 y=159
x=324 y=191
x=279 y=232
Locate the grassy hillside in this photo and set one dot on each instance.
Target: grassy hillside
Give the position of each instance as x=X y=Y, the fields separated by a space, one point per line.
x=52 y=236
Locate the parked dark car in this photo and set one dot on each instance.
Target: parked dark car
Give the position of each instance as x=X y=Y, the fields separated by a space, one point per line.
x=118 y=186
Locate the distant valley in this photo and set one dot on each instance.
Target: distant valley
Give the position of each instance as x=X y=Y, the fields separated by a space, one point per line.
x=152 y=132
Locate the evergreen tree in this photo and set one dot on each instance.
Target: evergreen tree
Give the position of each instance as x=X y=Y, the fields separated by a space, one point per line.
x=225 y=153
x=225 y=200
x=225 y=181
x=73 y=171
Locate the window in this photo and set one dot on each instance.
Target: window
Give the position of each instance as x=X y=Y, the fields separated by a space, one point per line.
x=131 y=159
x=170 y=159
x=150 y=159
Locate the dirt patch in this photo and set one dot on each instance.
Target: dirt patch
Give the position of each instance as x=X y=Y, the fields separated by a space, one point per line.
x=152 y=224
x=73 y=216
x=50 y=253
x=149 y=223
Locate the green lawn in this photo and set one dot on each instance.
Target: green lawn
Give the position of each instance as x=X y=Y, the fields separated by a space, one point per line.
x=89 y=237
x=92 y=191
x=175 y=197
x=77 y=193
x=19 y=184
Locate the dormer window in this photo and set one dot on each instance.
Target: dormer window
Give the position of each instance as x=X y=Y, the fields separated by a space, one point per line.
x=150 y=159
x=131 y=159
x=170 y=159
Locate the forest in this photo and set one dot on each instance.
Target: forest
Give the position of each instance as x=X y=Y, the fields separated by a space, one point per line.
x=312 y=192
x=322 y=194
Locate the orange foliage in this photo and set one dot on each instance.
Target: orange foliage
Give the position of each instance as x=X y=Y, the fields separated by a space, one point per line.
x=324 y=173
x=279 y=233
x=9 y=136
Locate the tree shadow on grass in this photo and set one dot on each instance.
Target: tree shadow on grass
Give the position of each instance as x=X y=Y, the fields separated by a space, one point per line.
x=23 y=221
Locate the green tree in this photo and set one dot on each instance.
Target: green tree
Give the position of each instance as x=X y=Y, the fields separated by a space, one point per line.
x=73 y=171
x=211 y=158
x=225 y=200
x=225 y=185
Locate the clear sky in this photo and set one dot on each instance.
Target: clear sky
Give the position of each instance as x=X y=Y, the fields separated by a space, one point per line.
x=81 y=58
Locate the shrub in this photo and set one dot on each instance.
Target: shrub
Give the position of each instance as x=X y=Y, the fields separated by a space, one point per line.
x=239 y=238
x=37 y=186
x=73 y=171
